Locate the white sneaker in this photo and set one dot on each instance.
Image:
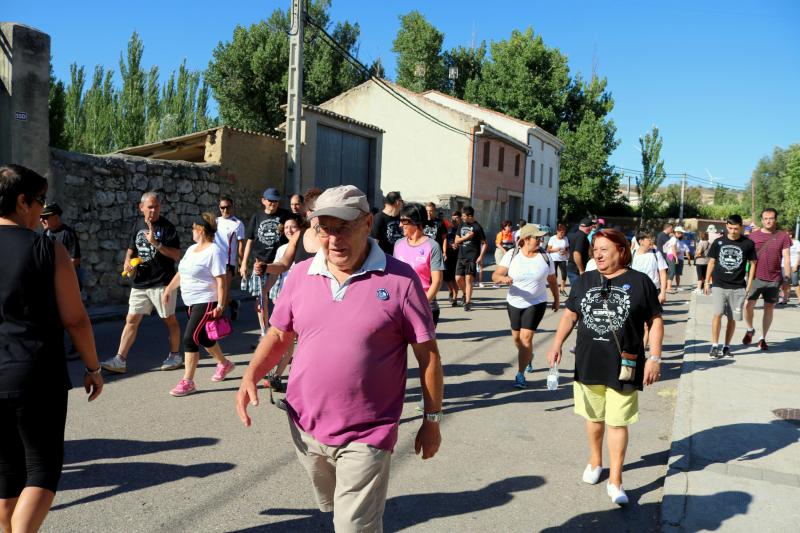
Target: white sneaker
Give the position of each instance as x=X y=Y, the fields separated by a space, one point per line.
x=592 y=475
x=617 y=494
x=172 y=362
x=116 y=364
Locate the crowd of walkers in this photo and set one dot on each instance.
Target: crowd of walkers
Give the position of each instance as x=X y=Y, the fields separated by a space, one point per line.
x=330 y=263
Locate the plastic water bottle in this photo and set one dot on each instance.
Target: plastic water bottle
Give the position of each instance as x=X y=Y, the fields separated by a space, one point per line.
x=552 y=378
x=245 y=284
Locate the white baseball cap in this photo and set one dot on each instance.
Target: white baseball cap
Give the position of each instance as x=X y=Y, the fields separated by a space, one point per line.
x=346 y=202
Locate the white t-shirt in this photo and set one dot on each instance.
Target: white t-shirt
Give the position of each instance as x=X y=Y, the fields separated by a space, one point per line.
x=794 y=253
x=650 y=263
x=275 y=291
x=198 y=274
x=530 y=278
x=558 y=244
x=229 y=232
x=590 y=265
x=668 y=246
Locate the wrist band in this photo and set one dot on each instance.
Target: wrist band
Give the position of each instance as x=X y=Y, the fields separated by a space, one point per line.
x=87 y=371
x=656 y=358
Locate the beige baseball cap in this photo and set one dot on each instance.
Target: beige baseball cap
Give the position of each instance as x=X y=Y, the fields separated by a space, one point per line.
x=530 y=230
x=346 y=202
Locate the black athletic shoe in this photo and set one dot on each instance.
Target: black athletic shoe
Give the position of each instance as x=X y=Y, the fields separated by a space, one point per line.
x=276 y=384
x=467 y=306
x=726 y=352
x=763 y=345
x=715 y=353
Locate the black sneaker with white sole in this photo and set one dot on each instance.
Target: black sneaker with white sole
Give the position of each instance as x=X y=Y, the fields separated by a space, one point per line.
x=726 y=352
x=715 y=353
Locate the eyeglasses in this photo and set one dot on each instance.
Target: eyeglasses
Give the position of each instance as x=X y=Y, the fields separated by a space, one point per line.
x=40 y=199
x=45 y=217
x=405 y=221
x=224 y=207
x=342 y=230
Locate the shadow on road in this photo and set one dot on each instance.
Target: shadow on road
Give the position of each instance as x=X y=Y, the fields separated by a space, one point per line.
x=458 y=369
x=413 y=509
x=85 y=450
x=718 y=508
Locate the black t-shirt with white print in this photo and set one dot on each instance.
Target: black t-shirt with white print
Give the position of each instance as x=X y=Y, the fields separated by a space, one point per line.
x=156 y=269
x=631 y=300
x=730 y=260
x=387 y=231
x=264 y=231
x=435 y=230
x=471 y=249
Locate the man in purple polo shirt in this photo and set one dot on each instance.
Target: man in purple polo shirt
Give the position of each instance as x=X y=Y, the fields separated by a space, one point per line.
x=772 y=272
x=354 y=310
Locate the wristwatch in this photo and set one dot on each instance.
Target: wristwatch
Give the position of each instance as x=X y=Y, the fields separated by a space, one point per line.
x=433 y=417
x=87 y=371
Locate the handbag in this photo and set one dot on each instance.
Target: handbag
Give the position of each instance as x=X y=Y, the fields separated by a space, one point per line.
x=627 y=371
x=218 y=328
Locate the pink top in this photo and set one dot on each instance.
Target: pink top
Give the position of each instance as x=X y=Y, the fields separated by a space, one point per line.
x=349 y=370
x=770 y=253
x=423 y=258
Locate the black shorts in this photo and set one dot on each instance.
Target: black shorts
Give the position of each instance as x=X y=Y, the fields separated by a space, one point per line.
x=527 y=318
x=450 y=267
x=231 y=270
x=195 y=334
x=562 y=266
x=466 y=267
x=32 y=445
x=769 y=290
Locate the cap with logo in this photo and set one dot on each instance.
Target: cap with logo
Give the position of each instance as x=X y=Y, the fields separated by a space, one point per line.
x=530 y=230
x=272 y=194
x=346 y=202
x=679 y=229
x=51 y=209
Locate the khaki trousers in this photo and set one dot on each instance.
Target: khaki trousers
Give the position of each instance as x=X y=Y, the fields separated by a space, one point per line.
x=351 y=480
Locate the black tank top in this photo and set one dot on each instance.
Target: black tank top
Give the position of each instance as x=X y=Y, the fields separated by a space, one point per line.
x=300 y=253
x=32 y=358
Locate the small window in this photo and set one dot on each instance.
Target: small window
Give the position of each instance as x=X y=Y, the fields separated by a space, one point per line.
x=530 y=214
x=538 y=216
x=548 y=216
x=501 y=159
x=542 y=145
x=516 y=165
x=533 y=171
x=551 y=177
x=486 y=151
x=541 y=173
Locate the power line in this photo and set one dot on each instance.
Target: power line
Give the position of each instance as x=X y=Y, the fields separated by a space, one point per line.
x=328 y=39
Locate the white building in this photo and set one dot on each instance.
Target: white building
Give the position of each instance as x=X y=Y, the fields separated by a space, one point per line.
x=543 y=165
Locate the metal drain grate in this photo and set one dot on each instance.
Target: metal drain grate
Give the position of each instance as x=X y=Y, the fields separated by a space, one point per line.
x=788 y=414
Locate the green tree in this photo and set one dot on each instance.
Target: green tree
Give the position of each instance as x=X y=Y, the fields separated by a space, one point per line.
x=587 y=182
x=791 y=184
x=153 y=106
x=469 y=62
x=132 y=110
x=418 y=45
x=248 y=75
x=670 y=200
x=100 y=103
x=525 y=79
x=74 y=117
x=653 y=175
x=724 y=196
x=769 y=174
x=57 y=110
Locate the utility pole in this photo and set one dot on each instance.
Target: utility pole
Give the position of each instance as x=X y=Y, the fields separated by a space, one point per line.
x=629 y=189
x=683 y=196
x=294 y=103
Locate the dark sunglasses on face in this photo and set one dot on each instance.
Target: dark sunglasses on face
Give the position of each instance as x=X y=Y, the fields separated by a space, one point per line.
x=224 y=207
x=45 y=217
x=40 y=199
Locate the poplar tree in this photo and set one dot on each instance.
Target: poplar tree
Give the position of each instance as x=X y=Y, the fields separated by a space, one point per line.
x=131 y=116
x=653 y=175
x=418 y=45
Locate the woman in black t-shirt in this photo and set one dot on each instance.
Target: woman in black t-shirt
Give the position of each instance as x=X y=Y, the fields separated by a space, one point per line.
x=611 y=306
x=39 y=298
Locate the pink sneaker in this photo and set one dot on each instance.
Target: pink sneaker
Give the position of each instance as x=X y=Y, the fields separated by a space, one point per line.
x=223 y=369
x=183 y=388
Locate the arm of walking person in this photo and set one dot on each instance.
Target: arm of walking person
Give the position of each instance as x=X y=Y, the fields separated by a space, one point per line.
x=126 y=267
x=245 y=257
x=468 y=236
x=709 y=271
x=553 y=284
x=172 y=253
x=222 y=296
x=652 y=367
x=170 y=289
x=436 y=283
x=500 y=276
x=568 y=320
x=751 y=276
x=484 y=247
x=268 y=353
x=429 y=438
x=576 y=256
x=76 y=321
x=285 y=262
x=662 y=291
x=787 y=268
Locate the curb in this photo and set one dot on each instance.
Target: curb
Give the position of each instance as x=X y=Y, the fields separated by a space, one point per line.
x=676 y=483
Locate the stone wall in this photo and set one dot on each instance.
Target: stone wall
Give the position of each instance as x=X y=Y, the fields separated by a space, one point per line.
x=100 y=197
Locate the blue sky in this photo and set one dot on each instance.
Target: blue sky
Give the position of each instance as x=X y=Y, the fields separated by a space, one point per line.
x=720 y=79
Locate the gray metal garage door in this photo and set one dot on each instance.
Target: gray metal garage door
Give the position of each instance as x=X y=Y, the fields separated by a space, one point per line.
x=342 y=159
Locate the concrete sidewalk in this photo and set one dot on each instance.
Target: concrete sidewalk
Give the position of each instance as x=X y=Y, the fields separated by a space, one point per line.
x=735 y=458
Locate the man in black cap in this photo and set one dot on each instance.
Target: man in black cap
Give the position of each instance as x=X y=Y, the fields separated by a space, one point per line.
x=580 y=251
x=263 y=238
x=56 y=230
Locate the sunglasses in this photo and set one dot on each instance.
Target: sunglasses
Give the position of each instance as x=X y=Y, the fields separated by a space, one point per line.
x=224 y=207
x=40 y=199
x=45 y=217
x=406 y=222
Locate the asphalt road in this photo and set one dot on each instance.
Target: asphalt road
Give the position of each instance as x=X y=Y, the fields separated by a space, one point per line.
x=138 y=459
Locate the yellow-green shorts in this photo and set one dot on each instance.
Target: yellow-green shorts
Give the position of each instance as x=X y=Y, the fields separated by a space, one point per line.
x=598 y=403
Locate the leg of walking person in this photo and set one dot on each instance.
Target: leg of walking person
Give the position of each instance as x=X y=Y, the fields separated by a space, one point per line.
x=128 y=336
x=766 y=320
x=730 y=329
x=195 y=327
x=617 y=440
x=749 y=314
x=467 y=288
x=595 y=432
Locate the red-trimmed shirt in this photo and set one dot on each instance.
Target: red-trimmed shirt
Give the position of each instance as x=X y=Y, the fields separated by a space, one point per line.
x=770 y=253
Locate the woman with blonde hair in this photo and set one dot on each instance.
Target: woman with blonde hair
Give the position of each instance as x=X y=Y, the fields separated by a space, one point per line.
x=202 y=279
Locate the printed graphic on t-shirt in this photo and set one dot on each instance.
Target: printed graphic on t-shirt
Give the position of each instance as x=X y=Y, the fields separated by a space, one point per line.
x=602 y=315
x=465 y=230
x=730 y=258
x=394 y=232
x=267 y=231
x=429 y=231
x=144 y=249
